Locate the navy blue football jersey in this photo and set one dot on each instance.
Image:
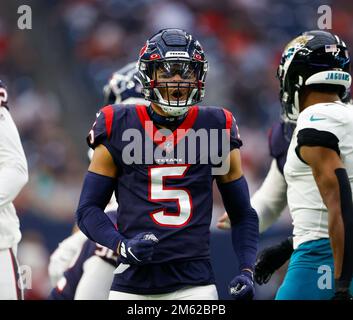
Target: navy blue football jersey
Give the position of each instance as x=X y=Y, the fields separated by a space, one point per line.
x=279 y=139
x=166 y=190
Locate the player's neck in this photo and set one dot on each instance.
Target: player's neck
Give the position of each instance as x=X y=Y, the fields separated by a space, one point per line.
x=157 y=109
x=313 y=97
x=162 y=119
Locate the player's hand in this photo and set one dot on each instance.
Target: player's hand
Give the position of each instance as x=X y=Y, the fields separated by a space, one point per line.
x=271 y=259
x=242 y=286
x=224 y=222
x=62 y=257
x=3 y=95
x=342 y=295
x=138 y=250
x=342 y=291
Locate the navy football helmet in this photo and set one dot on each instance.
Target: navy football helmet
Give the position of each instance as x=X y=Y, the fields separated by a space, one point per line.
x=314 y=58
x=123 y=87
x=169 y=53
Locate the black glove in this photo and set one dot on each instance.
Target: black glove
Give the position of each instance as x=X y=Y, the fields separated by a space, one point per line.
x=342 y=290
x=271 y=259
x=342 y=295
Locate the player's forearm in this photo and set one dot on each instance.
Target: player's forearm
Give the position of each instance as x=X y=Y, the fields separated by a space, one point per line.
x=345 y=223
x=244 y=221
x=335 y=226
x=245 y=238
x=91 y=218
x=267 y=216
x=270 y=199
x=337 y=196
x=12 y=179
x=336 y=233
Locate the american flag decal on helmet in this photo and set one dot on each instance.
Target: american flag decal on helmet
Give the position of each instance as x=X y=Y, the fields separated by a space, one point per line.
x=331 y=48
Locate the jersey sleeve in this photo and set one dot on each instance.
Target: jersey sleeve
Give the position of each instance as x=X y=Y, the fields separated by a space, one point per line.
x=271 y=198
x=322 y=126
x=323 y=118
x=279 y=137
x=102 y=127
x=231 y=125
x=13 y=161
x=276 y=141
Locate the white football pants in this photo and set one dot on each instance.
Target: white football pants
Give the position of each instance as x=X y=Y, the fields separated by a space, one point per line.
x=208 y=292
x=96 y=280
x=10 y=279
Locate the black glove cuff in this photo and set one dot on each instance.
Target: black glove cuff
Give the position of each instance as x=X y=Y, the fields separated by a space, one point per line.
x=342 y=285
x=287 y=246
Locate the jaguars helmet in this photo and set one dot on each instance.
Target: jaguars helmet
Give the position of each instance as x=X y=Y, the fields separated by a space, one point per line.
x=174 y=51
x=123 y=87
x=314 y=58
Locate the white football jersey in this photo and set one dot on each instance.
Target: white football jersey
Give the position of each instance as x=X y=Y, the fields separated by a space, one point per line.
x=308 y=211
x=13 y=176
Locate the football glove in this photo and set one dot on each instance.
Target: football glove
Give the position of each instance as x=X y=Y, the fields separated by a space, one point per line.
x=342 y=290
x=342 y=295
x=271 y=259
x=62 y=257
x=138 y=250
x=242 y=286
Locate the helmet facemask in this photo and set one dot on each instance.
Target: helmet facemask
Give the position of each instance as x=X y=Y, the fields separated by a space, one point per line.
x=174 y=84
x=288 y=112
x=289 y=95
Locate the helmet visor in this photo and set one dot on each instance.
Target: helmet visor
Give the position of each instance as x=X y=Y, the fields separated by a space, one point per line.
x=186 y=70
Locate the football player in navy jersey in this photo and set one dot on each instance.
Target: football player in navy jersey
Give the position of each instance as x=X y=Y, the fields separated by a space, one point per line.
x=164 y=188
x=79 y=268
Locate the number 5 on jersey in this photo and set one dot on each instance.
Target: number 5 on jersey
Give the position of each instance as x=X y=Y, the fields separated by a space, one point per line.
x=159 y=192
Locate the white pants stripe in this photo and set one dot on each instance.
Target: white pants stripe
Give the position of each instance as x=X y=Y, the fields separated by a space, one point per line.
x=208 y=292
x=10 y=288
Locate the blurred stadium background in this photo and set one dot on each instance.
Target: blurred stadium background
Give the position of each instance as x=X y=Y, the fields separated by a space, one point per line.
x=55 y=74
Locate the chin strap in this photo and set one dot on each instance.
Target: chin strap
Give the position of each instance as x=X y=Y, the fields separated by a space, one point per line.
x=164 y=121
